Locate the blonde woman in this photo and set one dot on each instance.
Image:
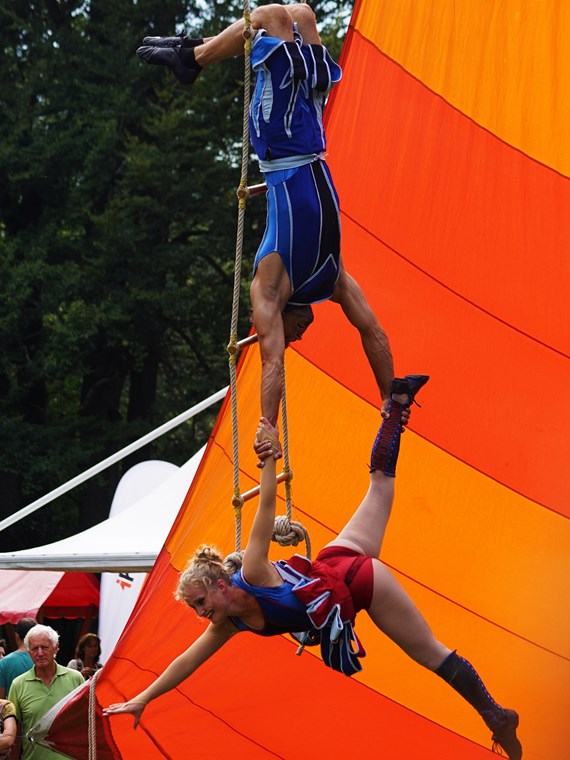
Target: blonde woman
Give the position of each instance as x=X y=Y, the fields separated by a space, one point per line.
x=321 y=598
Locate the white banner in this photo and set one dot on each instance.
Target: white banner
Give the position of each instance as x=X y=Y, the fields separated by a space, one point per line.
x=120 y=591
x=153 y=493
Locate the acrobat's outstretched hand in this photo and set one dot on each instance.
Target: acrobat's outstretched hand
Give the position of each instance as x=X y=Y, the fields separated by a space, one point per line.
x=267 y=442
x=126 y=708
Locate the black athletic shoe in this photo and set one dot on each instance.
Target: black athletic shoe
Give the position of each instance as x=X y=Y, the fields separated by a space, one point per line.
x=506 y=738
x=169 y=57
x=172 y=42
x=410 y=384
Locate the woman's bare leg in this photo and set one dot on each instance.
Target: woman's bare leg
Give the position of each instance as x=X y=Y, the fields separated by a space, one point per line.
x=396 y=615
x=365 y=530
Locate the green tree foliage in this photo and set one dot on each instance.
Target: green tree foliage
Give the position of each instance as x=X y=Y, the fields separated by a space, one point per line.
x=117 y=240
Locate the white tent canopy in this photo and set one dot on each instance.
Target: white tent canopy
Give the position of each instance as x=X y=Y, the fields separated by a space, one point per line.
x=127 y=542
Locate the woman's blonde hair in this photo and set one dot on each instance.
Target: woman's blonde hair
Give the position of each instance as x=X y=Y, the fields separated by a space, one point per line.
x=205 y=568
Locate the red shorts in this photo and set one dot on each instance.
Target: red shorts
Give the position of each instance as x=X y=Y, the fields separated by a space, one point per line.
x=356 y=569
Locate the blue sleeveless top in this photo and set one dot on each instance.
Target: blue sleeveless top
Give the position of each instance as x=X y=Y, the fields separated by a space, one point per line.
x=282 y=611
x=312 y=596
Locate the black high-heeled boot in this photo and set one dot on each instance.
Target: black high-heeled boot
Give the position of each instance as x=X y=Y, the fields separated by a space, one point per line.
x=462 y=676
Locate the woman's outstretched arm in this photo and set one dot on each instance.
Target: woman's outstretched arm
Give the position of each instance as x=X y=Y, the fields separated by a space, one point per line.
x=213 y=639
x=257 y=568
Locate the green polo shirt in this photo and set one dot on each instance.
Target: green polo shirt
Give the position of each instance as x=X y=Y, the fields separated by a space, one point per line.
x=32 y=699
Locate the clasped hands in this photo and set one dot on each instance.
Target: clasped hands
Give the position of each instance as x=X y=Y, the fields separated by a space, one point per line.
x=267 y=442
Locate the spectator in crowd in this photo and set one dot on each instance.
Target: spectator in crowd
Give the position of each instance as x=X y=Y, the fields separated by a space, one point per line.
x=17 y=662
x=87 y=654
x=40 y=688
x=8 y=728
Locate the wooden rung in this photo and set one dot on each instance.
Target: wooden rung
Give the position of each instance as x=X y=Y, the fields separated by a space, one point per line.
x=257 y=189
x=233 y=348
x=247 y=192
x=239 y=501
x=247 y=341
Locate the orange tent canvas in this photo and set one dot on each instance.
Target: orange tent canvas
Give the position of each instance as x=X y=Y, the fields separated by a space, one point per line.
x=448 y=145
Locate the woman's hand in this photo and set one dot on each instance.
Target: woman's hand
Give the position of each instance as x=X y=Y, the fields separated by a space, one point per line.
x=266 y=442
x=127 y=708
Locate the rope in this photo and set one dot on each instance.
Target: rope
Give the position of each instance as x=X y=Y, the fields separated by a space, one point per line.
x=286 y=531
x=286 y=463
x=92 y=732
x=242 y=202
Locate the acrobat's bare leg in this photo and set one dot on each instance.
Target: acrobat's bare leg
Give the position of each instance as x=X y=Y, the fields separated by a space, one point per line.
x=396 y=615
x=304 y=17
x=187 y=60
x=365 y=530
x=275 y=19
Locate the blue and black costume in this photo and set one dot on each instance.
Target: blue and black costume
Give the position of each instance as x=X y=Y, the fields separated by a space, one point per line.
x=287 y=133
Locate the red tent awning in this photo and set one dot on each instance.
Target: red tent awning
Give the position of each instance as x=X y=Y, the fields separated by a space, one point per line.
x=24 y=592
